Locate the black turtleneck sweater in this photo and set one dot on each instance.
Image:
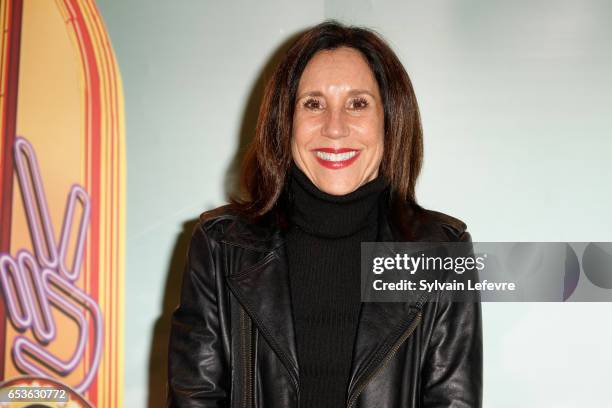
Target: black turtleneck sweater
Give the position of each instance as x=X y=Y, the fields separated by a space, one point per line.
x=323 y=248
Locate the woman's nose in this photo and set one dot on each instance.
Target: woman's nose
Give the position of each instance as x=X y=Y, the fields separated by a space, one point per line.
x=335 y=124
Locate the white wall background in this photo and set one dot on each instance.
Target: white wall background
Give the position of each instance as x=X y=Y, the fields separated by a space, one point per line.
x=515 y=98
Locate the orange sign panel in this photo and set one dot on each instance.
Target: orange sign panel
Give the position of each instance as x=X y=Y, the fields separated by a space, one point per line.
x=62 y=186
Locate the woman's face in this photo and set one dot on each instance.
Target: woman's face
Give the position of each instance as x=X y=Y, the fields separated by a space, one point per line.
x=338 y=124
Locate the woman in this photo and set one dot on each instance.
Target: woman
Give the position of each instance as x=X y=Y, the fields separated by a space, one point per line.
x=270 y=312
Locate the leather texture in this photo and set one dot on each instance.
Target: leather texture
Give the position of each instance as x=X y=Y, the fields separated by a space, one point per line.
x=232 y=341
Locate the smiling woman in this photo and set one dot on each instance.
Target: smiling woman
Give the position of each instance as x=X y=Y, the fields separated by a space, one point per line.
x=338 y=119
x=270 y=312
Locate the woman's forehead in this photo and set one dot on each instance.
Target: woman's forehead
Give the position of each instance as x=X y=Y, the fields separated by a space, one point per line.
x=338 y=69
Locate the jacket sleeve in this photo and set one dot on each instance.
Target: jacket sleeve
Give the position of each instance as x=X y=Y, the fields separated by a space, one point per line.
x=197 y=364
x=452 y=369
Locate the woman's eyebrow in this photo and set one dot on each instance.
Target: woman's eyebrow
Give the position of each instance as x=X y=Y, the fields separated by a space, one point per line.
x=310 y=93
x=361 y=91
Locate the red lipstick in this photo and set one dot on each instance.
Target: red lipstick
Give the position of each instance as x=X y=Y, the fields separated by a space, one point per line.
x=336 y=158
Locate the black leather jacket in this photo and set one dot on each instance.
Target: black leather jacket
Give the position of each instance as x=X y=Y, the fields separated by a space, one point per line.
x=232 y=341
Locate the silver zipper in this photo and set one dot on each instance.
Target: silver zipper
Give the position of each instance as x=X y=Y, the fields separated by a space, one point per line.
x=409 y=330
x=245 y=328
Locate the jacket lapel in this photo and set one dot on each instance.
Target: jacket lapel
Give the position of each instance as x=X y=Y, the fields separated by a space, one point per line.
x=263 y=289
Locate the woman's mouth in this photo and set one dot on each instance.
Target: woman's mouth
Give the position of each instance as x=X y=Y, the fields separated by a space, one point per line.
x=336 y=158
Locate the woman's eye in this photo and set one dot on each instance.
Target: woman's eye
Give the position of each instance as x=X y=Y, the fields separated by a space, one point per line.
x=359 y=103
x=312 y=104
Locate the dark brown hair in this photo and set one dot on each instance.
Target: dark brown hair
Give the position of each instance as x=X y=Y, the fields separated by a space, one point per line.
x=267 y=160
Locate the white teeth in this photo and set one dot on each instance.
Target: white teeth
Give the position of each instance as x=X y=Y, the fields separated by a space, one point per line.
x=336 y=156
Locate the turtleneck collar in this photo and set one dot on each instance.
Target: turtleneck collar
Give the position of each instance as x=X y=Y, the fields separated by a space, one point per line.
x=332 y=216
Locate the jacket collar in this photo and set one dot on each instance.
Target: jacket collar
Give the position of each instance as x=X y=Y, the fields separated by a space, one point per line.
x=264 y=291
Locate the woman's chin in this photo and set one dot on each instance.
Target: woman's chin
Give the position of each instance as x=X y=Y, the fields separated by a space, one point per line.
x=337 y=187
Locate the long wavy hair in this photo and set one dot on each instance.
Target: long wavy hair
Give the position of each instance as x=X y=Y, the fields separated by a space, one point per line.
x=264 y=169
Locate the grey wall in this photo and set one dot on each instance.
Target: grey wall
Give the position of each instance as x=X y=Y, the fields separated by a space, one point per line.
x=515 y=98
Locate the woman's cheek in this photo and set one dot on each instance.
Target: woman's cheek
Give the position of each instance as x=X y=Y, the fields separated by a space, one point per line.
x=310 y=127
x=368 y=132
